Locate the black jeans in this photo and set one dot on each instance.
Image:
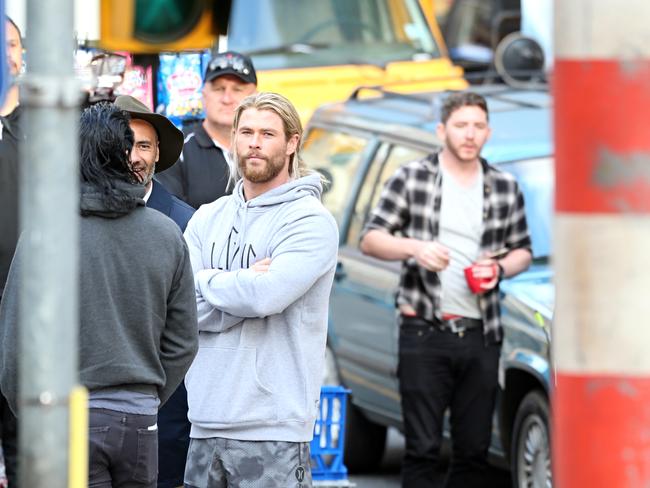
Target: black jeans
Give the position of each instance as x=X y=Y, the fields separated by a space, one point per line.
x=123 y=450
x=173 y=439
x=9 y=434
x=440 y=369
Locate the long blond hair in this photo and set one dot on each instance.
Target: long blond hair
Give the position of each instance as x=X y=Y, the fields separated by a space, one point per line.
x=281 y=106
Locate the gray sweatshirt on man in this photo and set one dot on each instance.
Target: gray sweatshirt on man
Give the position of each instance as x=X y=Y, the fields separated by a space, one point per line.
x=259 y=369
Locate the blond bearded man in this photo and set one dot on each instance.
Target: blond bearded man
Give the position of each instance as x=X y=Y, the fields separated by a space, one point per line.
x=264 y=261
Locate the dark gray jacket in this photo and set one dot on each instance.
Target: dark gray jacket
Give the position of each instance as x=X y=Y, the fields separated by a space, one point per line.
x=137 y=312
x=11 y=136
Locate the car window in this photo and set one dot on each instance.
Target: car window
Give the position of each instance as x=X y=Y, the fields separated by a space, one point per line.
x=337 y=156
x=362 y=206
x=536 y=179
x=474 y=27
x=469 y=24
x=329 y=32
x=386 y=162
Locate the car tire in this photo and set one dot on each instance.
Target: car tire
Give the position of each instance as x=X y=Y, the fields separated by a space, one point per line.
x=365 y=441
x=531 y=441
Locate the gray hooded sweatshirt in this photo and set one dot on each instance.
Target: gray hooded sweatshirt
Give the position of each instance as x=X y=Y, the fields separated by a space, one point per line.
x=137 y=320
x=259 y=368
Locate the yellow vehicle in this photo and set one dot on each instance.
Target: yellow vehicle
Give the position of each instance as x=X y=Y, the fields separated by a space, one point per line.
x=318 y=51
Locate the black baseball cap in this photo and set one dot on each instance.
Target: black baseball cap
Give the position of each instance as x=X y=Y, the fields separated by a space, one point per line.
x=231 y=63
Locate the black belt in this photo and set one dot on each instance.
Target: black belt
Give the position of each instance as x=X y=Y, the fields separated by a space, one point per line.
x=458 y=326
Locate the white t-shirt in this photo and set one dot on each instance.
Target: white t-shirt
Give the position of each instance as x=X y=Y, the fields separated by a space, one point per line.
x=461 y=228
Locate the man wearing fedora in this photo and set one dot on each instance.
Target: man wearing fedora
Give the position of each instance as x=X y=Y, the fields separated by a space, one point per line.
x=157 y=144
x=156 y=147
x=202 y=173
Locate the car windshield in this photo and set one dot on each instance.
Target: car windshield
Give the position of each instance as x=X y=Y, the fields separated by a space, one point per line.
x=290 y=34
x=536 y=179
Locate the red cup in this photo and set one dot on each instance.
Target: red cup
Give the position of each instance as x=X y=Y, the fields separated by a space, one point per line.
x=473 y=282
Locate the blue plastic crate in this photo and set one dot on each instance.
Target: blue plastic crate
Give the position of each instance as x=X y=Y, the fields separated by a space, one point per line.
x=329 y=436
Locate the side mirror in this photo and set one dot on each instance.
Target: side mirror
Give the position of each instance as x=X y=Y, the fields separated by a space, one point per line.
x=519 y=60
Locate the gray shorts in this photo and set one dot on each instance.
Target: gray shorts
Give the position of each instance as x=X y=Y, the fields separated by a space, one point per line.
x=221 y=463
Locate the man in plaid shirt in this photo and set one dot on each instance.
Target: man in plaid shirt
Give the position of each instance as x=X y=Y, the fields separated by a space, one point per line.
x=439 y=216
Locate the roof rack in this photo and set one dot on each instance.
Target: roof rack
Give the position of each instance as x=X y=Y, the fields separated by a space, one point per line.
x=500 y=92
x=381 y=89
x=487 y=78
x=434 y=103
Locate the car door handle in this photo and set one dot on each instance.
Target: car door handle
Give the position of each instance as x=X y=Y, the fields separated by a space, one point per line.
x=340 y=273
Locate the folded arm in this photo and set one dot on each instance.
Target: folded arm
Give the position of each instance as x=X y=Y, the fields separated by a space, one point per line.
x=302 y=251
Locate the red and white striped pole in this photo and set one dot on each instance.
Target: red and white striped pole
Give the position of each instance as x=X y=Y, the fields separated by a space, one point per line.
x=601 y=333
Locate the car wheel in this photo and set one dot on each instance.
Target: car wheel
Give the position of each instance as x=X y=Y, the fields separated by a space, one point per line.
x=531 y=453
x=365 y=441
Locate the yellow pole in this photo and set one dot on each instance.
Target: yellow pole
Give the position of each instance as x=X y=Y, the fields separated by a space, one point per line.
x=78 y=459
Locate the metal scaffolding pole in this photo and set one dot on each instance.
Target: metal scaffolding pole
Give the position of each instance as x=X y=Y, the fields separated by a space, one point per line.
x=49 y=220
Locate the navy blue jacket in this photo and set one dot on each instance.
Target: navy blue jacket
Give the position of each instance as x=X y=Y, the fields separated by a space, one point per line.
x=173 y=425
x=174 y=208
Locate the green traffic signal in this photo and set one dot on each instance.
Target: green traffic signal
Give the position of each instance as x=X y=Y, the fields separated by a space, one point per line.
x=153 y=26
x=160 y=21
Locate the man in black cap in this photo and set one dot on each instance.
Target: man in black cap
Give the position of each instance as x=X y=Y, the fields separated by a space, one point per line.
x=157 y=144
x=201 y=175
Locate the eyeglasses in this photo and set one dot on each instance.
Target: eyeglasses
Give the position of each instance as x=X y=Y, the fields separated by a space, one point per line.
x=232 y=61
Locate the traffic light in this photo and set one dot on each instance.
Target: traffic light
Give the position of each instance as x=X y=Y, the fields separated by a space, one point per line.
x=152 y=26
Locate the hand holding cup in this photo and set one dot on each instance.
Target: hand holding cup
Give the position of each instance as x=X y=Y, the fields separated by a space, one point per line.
x=483 y=275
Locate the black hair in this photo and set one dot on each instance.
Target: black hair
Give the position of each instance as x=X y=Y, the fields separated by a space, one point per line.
x=20 y=34
x=461 y=99
x=105 y=142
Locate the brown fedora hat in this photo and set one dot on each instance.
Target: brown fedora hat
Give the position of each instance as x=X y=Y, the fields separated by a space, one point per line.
x=170 y=139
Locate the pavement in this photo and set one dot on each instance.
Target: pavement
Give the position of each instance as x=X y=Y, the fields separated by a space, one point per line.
x=388 y=475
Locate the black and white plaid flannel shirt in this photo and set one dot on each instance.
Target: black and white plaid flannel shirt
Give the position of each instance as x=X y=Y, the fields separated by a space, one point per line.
x=410 y=204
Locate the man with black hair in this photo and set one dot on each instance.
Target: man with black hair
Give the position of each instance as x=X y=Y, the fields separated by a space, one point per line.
x=137 y=319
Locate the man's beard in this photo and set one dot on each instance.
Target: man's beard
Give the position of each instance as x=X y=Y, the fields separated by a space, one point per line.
x=456 y=150
x=147 y=177
x=273 y=167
